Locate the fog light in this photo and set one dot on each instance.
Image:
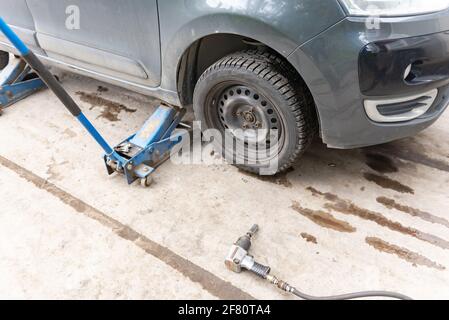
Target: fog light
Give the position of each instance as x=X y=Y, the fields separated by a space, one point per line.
x=408 y=71
x=400 y=109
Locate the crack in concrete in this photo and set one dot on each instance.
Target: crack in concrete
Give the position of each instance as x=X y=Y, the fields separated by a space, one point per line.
x=209 y=282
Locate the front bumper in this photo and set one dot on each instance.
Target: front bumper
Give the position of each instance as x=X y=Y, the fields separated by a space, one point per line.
x=349 y=65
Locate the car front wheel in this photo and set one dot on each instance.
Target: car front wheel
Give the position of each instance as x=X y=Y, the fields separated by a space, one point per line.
x=255 y=100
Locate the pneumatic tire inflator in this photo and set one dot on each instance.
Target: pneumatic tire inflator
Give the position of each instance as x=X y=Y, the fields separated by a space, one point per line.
x=239 y=260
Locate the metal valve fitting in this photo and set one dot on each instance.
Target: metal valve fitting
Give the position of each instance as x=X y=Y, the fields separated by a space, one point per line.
x=239 y=258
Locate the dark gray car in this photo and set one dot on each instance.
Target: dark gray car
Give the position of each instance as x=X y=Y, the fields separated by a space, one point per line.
x=356 y=72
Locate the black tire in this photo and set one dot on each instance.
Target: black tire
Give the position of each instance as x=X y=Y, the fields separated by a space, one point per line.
x=278 y=89
x=4 y=59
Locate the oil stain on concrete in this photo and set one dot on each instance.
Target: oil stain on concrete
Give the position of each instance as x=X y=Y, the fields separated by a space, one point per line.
x=407 y=154
x=323 y=218
x=109 y=109
x=52 y=170
x=380 y=163
x=69 y=133
x=388 y=183
x=309 y=237
x=349 y=208
x=102 y=89
x=402 y=253
x=426 y=216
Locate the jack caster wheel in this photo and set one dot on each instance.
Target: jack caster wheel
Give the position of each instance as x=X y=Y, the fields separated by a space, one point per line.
x=146 y=182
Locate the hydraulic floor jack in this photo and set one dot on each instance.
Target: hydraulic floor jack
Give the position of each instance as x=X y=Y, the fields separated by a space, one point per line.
x=136 y=157
x=17 y=81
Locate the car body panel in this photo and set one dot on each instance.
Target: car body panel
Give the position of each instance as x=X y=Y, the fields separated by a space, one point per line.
x=117 y=38
x=329 y=65
x=283 y=25
x=17 y=14
x=182 y=22
x=139 y=44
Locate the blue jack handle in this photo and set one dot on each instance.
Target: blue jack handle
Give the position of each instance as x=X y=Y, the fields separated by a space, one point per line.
x=53 y=84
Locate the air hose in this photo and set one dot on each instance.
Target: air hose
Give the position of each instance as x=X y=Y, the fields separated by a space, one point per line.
x=349 y=296
x=239 y=259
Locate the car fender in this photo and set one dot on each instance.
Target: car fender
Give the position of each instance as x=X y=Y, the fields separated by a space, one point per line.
x=281 y=25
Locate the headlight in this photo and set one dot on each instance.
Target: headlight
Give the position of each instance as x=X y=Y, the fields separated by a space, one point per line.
x=393 y=7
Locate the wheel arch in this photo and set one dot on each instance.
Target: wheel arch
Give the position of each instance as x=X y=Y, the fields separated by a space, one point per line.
x=176 y=44
x=204 y=52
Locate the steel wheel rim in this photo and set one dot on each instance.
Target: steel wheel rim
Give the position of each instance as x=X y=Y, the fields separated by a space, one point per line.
x=235 y=105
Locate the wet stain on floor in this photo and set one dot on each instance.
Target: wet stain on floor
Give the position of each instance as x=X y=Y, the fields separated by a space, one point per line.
x=323 y=218
x=380 y=163
x=53 y=172
x=388 y=183
x=309 y=238
x=102 y=89
x=349 y=208
x=279 y=179
x=109 y=109
x=412 y=156
x=403 y=253
x=69 y=133
x=426 y=216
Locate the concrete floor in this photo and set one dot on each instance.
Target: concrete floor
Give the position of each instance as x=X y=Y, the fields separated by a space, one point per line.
x=343 y=220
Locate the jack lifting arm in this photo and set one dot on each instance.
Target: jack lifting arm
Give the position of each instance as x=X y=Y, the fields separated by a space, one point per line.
x=53 y=84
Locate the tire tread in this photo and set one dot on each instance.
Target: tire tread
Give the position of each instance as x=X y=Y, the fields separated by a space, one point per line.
x=271 y=68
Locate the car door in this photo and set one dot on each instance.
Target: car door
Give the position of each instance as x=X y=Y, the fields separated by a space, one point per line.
x=113 y=38
x=18 y=16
